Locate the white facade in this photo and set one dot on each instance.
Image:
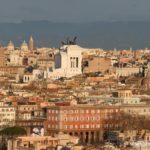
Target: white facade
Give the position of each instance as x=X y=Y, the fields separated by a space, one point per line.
x=124 y=72
x=35 y=75
x=114 y=60
x=132 y=100
x=27 y=78
x=68 y=63
x=15 y=59
x=25 y=116
x=7 y=116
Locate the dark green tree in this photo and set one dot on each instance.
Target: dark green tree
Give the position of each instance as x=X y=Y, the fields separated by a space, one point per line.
x=11 y=133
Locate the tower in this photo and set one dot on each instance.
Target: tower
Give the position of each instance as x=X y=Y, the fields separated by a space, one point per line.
x=31 y=44
x=2 y=57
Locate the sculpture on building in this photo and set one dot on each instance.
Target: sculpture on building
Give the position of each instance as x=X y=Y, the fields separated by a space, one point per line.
x=69 y=42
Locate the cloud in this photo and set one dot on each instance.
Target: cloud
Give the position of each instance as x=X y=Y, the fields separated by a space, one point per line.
x=73 y=10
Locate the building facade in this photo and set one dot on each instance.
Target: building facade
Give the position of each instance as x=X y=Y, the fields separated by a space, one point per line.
x=125 y=72
x=2 y=57
x=67 y=62
x=97 y=64
x=7 y=116
x=87 y=122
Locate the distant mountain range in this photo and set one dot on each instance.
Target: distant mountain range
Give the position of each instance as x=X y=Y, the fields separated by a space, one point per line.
x=107 y=35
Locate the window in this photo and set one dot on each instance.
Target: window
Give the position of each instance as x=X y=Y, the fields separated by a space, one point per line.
x=77 y=61
x=82 y=126
x=71 y=118
x=66 y=119
x=65 y=111
x=71 y=111
x=93 y=118
x=98 y=126
x=97 y=118
x=76 y=119
x=87 y=118
x=71 y=126
x=56 y=118
x=87 y=126
x=65 y=126
x=82 y=118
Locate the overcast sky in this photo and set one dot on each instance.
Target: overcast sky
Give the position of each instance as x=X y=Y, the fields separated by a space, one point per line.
x=74 y=10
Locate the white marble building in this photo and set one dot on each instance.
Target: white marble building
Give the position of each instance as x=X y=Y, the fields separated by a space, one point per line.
x=68 y=62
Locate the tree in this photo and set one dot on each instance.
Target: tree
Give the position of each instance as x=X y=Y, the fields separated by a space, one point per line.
x=12 y=133
x=136 y=122
x=128 y=121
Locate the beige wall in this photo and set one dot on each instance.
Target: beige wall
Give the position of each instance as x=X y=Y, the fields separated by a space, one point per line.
x=2 y=57
x=97 y=64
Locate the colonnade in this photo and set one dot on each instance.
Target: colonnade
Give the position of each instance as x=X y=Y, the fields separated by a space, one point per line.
x=88 y=137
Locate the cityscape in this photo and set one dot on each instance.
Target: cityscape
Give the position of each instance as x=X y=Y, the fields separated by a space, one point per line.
x=73 y=96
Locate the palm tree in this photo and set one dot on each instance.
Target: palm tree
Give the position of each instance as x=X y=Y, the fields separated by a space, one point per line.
x=12 y=133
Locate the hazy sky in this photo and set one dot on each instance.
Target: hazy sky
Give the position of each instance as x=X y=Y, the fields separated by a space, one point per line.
x=74 y=10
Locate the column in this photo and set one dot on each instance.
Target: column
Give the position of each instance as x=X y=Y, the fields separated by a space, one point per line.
x=79 y=135
x=101 y=136
x=84 y=137
x=89 y=137
x=95 y=135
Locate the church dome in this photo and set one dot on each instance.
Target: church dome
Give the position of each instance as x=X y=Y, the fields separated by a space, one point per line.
x=24 y=46
x=10 y=46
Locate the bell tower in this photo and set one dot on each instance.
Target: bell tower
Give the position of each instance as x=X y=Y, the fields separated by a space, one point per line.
x=31 y=44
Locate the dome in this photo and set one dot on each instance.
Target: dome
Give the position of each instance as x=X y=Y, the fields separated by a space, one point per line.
x=24 y=46
x=10 y=46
